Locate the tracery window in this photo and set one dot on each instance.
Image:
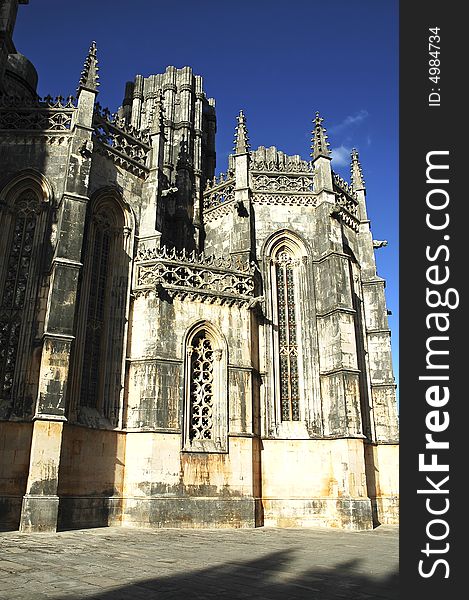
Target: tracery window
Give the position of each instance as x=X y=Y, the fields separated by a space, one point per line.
x=98 y=363
x=95 y=323
x=201 y=396
x=285 y=265
x=205 y=410
x=15 y=286
x=287 y=332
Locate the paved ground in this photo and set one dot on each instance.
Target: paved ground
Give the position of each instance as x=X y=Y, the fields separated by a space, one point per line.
x=164 y=564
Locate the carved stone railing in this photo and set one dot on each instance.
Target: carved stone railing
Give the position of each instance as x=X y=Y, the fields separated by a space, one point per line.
x=273 y=160
x=281 y=179
x=346 y=208
x=126 y=146
x=344 y=186
x=194 y=276
x=287 y=182
x=289 y=167
x=48 y=115
x=218 y=192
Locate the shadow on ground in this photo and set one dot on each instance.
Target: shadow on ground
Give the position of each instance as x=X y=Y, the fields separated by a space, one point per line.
x=267 y=578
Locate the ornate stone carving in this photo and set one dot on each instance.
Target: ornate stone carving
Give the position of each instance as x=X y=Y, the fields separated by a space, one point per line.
x=275 y=161
x=348 y=203
x=48 y=115
x=344 y=186
x=289 y=167
x=126 y=146
x=341 y=212
x=286 y=199
x=201 y=389
x=195 y=276
x=219 y=193
x=282 y=183
x=346 y=207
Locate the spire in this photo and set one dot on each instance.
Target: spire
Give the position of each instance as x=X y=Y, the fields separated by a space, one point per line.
x=241 y=140
x=89 y=76
x=356 y=174
x=319 y=143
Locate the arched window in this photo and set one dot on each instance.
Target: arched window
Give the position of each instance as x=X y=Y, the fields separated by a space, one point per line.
x=15 y=285
x=98 y=302
x=97 y=388
x=201 y=392
x=285 y=264
x=205 y=412
x=292 y=399
x=25 y=217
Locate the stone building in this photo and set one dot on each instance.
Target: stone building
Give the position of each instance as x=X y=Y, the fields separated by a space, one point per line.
x=179 y=349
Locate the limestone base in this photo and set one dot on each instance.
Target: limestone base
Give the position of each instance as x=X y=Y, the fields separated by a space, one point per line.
x=81 y=512
x=387 y=509
x=39 y=513
x=10 y=512
x=382 y=472
x=192 y=512
x=343 y=513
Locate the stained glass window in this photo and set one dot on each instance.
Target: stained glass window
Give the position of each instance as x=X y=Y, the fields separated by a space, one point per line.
x=287 y=332
x=15 y=288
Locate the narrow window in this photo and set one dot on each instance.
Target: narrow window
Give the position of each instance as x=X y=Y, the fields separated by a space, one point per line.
x=206 y=393
x=285 y=265
x=15 y=287
x=104 y=300
x=95 y=322
x=201 y=397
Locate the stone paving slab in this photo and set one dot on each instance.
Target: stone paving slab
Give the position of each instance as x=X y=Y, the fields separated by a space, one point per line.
x=231 y=564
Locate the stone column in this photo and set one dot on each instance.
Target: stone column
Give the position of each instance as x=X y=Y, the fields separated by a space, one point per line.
x=339 y=372
x=137 y=100
x=169 y=91
x=198 y=136
x=152 y=220
x=40 y=504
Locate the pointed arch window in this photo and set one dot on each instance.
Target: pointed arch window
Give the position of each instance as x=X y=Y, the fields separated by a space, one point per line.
x=205 y=401
x=104 y=302
x=16 y=286
x=285 y=265
x=97 y=304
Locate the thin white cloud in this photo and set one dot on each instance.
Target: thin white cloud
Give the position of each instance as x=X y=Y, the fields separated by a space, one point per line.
x=341 y=156
x=349 y=121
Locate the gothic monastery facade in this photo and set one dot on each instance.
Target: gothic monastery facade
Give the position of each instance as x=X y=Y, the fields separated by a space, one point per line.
x=179 y=349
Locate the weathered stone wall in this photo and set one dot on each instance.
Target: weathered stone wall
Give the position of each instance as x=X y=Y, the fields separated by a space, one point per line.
x=165 y=487
x=136 y=457
x=382 y=470
x=91 y=477
x=15 y=445
x=330 y=492
x=345 y=362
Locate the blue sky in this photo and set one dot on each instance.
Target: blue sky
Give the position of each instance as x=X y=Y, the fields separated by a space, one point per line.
x=278 y=61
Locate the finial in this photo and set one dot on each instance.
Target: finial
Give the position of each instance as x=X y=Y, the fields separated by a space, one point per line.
x=356 y=174
x=89 y=76
x=319 y=143
x=241 y=140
